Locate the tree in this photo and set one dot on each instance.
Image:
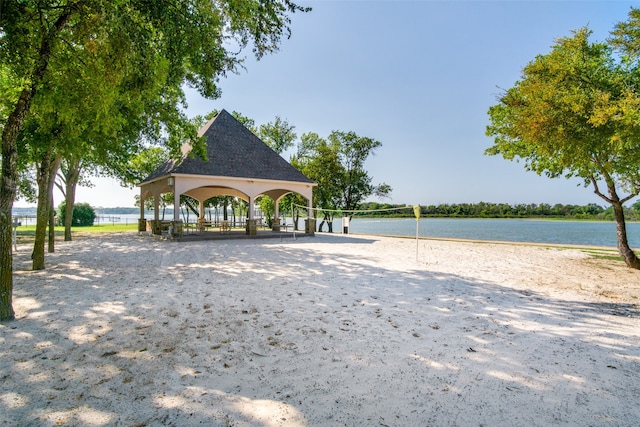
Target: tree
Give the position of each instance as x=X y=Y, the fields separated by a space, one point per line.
x=576 y=113
x=319 y=161
x=337 y=166
x=37 y=145
x=192 y=42
x=83 y=214
x=355 y=185
x=69 y=175
x=279 y=135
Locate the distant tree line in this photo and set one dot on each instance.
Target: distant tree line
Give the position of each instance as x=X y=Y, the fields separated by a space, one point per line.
x=590 y=211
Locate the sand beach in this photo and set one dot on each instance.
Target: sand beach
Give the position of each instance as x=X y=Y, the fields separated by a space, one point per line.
x=331 y=330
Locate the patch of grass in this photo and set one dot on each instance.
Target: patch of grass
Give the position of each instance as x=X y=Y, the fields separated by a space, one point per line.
x=606 y=254
x=608 y=257
x=27 y=233
x=106 y=228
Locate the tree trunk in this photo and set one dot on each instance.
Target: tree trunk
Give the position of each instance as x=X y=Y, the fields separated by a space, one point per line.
x=52 y=226
x=42 y=212
x=625 y=251
x=191 y=207
x=71 y=178
x=7 y=195
x=53 y=172
x=69 y=202
x=9 y=154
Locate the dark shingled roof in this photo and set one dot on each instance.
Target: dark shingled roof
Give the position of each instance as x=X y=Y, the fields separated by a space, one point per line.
x=233 y=151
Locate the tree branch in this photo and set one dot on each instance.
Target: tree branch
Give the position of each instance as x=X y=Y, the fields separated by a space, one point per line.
x=629 y=197
x=597 y=190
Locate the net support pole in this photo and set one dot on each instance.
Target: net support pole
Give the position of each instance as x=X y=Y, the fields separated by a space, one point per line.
x=417 y=240
x=416 y=211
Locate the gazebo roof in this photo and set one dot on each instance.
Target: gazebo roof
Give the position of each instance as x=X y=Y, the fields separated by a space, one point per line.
x=232 y=151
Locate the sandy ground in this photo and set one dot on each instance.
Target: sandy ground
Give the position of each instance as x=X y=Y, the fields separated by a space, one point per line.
x=332 y=330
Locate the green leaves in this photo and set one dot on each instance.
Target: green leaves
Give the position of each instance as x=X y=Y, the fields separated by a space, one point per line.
x=574 y=113
x=337 y=165
x=101 y=78
x=278 y=135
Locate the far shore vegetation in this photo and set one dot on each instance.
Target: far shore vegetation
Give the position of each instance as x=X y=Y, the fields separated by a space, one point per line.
x=591 y=211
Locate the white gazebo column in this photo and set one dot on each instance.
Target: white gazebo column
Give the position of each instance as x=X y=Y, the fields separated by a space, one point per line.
x=176 y=227
x=155 y=229
x=276 y=213
x=156 y=206
x=176 y=207
x=251 y=207
x=142 y=223
x=310 y=223
x=252 y=224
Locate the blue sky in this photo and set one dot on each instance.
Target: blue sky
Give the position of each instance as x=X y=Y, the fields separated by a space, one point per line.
x=418 y=76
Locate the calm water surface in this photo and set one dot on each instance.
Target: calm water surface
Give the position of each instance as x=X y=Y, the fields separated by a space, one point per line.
x=513 y=230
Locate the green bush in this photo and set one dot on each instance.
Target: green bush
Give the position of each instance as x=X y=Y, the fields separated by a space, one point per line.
x=83 y=214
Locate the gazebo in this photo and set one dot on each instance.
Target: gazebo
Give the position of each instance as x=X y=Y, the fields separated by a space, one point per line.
x=238 y=164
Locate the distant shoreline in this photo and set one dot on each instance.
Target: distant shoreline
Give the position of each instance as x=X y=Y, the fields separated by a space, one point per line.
x=22 y=211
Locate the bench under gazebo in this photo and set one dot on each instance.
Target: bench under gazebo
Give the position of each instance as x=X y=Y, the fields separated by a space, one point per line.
x=238 y=164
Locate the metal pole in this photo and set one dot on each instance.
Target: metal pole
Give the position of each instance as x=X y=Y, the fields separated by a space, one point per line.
x=14 y=225
x=417 y=225
x=416 y=211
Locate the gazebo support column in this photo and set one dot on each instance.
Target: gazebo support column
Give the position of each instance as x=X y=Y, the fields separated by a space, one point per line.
x=176 y=207
x=201 y=219
x=252 y=207
x=310 y=222
x=142 y=223
x=154 y=225
x=275 y=226
x=156 y=206
x=252 y=223
x=176 y=225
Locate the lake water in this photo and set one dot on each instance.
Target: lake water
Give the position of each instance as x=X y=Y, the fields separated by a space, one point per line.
x=512 y=230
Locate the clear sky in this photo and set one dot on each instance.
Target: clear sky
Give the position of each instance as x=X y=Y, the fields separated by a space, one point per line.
x=418 y=76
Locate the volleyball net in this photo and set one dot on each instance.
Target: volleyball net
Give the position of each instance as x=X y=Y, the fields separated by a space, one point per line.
x=415 y=209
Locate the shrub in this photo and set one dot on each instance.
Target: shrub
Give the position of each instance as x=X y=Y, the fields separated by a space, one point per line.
x=83 y=214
